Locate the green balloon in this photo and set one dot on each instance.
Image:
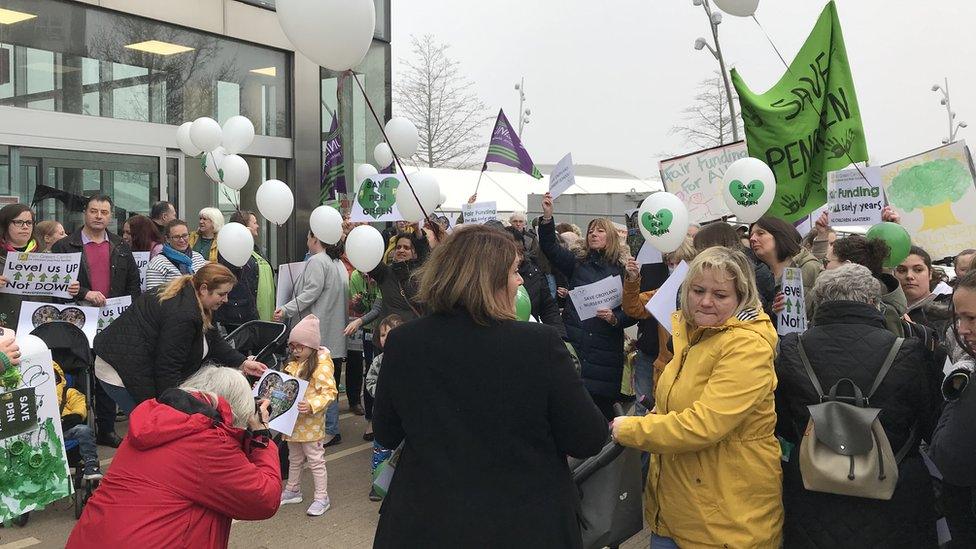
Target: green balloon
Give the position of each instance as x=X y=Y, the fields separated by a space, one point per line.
x=897 y=239
x=523 y=305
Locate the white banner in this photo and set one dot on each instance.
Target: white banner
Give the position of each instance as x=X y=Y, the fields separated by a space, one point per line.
x=793 y=317
x=376 y=199
x=40 y=274
x=854 y=199
x=142 y=262
x=664 y=301
x=33 y=314
x=479 y=212
x=113 y=309
x=696 y=179
x=562 y=176
x=603 y=294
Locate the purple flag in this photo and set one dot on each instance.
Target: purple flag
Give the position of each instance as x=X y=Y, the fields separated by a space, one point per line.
x=333 y=174
x=506 y=148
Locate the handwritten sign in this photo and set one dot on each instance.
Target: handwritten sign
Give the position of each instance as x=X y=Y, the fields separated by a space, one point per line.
x=480 y=212
x=113 y=309
x=603 y=294
x=33 y=314
x=793 y=317
x=854 y=199
x=142 y=262
x=376 y=199
x=665 y=300
x=40 y=274
x=696 y=179
x=562 y=176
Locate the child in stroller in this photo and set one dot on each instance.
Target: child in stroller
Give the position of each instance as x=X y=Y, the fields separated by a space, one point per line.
x=74 y=412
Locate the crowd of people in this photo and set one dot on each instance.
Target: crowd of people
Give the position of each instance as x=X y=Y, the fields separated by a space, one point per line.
x=482 y=411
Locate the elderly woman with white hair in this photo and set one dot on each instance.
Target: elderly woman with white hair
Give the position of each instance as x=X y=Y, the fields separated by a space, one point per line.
x=195 y=458
x=204 y=239
x=849 y=342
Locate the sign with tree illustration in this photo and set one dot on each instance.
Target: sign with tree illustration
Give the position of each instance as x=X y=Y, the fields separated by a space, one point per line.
x=936 y=196
x=376 y=200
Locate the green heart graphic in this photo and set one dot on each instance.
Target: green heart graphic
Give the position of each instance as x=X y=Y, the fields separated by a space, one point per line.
x=746 y=195
x=378 y=198
x=657 y=224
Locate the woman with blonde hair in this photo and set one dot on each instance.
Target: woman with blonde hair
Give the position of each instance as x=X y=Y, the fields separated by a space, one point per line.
x=599 y=341
x=715 y=474
x=46 y=233
x=204 y=239
x=165 y=336
x=485 y=427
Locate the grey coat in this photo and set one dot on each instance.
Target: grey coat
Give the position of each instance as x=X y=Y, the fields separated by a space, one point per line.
x=323 y=290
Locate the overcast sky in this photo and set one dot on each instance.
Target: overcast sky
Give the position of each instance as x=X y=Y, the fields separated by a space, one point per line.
x=607 y=80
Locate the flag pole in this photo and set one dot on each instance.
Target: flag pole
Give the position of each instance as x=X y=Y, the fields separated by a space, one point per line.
x=476 y=187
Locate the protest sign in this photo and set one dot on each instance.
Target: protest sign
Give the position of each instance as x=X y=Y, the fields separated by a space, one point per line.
x=35 y=471
x=696 y=179
x=649 y=255
x=635 y=238
x=113 y=309
x=142 y=262
x=665 y=300
x=854 y=197
x=376 y=200
x=479 y=212
x=562 y=176
x=33 y=314
x=793 y=317
x=288 y=275
x=806 y=224
x=40 y=274
x=935 y=194
x=602 y=294
x=284 y=393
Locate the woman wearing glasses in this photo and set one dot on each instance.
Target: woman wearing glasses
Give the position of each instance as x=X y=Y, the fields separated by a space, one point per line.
x=176 y=258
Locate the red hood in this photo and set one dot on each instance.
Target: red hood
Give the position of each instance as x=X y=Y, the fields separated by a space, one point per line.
x=154 y=424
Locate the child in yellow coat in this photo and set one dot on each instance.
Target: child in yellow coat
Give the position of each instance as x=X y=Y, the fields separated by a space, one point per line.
x=313 y=363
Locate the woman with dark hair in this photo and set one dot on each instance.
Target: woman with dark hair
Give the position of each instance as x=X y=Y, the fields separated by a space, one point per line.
x=777 y=244
x=142 y=235
x=485 y=437
x=722 y=234
x=395 y=282
x=177 y=258
x=924 y=307
x=872 y=253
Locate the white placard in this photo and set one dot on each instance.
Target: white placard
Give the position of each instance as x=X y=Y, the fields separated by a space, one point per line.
x=33 y=314
x=665 y=300
x=562 y=176
x=40 y=274
x=696 y=179
x=602 y=294
x=288 y=275
x=113 y=309
x=805 y=224
x=284 y=392
x=854 y=199
x=649 y=255
x=142 y=262
x=376 y=199
x=479 y=212
x=793 y=317
x=942 y=289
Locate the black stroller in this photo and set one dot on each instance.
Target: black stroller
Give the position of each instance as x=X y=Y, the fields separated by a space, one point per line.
x=261 y=339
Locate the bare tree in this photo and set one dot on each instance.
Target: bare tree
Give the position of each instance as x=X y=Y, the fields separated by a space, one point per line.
x=440 y=101
x=706 y=121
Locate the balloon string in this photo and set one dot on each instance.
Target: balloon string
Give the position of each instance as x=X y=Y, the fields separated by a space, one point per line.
x=396 y=157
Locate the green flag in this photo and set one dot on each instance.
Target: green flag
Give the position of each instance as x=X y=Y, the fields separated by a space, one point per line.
x=809 y=123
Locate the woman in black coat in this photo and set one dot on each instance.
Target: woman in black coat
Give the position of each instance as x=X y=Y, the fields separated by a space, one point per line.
x=165 y=336
x=849 y=340
x=544 y=306
x=599 y=341
x=487 y=409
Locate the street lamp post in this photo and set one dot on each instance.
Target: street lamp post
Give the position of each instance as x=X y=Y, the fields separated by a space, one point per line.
x=523 y=112
x=953 y=125
x=714 y=20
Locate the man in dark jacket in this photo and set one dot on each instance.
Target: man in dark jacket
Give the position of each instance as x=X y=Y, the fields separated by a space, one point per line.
x=162 y=213
x=107 y=270
x=242 y=305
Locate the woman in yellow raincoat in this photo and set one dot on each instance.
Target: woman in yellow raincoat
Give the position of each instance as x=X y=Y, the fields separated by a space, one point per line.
x=715 y=477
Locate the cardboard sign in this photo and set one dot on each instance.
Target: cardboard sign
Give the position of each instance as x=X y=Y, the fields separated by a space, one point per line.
x=18 y=412
x=40 y=274
x=284 y=392
x=376 y=199
x=113 y=309
x=288 y=275
x=142 y=262
x=602 y=294
x=562 y=176
x=793 y=317
x=665 y=300
x=853 y=199
x=33 y=314
x=479 y=212
x=696 y=179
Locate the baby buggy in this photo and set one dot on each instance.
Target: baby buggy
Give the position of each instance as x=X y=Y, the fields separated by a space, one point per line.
x=261 y=339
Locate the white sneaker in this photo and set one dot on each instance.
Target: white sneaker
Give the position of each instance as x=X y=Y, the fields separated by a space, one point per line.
x=318 y=507
x=290 y=497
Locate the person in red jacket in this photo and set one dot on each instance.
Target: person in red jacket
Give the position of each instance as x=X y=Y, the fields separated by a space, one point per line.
x=186 y=468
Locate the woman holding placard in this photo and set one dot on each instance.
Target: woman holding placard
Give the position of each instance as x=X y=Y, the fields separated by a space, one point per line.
x=777 y=244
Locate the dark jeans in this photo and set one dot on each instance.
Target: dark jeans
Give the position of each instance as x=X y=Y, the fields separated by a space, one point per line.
x=367 y=361
x=86 y=443
x=104 y=411
x=354 y=376
x=118 y=395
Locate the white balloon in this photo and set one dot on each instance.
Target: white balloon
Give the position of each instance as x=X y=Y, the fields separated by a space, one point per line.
x=748 y=188
x=739 y=8
x=334 y=33
x=383 y=155
x=235 y=243
x=428 y=192
x=663 y=221
x=238 y=133
x=30 y=345
x=364 y=248
x=214 y=161
x=184 y=141
x=362 y=172
x=403 y=136
x=326 y=224
x=275 y=201
x=205 y=133
x=442 y=200
x=236 y=171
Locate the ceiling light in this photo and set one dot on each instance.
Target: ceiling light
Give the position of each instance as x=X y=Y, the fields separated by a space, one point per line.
x=160 y=48
x=9 y=17
x=267 y=71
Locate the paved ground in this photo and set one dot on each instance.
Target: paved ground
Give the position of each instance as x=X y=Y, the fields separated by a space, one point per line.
x=348 y=525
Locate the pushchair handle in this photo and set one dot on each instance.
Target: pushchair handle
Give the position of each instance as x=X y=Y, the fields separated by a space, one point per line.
x=610 y=452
